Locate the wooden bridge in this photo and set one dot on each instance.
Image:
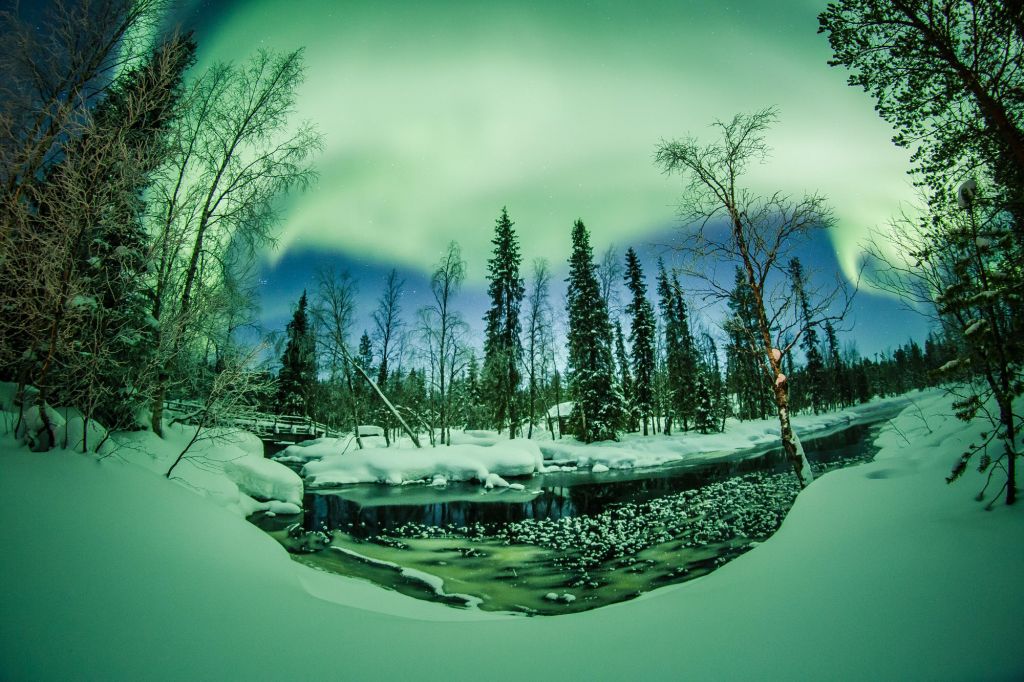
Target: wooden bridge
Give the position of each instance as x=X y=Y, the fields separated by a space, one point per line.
x=271 y=428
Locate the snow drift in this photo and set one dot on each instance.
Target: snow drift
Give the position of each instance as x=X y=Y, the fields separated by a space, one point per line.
x=487 y=464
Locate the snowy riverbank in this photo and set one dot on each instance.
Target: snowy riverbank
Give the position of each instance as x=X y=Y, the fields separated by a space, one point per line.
x=880 y=571
x=490 y=458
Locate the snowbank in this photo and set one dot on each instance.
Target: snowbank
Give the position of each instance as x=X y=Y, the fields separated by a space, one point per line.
x=487 y=464
x=263 y=479
x=318 y=448
x=880 y=571
x=226 y=466
x=634 y=450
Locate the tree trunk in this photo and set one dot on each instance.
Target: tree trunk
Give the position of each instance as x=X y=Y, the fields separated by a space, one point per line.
x=1009 y=438
x=387 y=403
x=790 y=441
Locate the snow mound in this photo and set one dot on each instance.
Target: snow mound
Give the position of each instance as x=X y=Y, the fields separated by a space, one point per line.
x=80 y=438
x=488 y=464
x=226 y=466
x=264 y=479
x=317 y=448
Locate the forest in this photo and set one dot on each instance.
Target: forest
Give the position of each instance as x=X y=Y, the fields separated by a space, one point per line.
x=138 y=195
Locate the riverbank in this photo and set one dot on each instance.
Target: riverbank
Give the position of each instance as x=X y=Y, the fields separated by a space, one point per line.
x=880 y=571
x=490 y=457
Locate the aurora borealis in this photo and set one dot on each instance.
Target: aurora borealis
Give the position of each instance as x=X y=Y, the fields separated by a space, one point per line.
x=435 y=115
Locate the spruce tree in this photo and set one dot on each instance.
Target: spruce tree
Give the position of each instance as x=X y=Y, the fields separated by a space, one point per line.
x=685 y=395
x=719 y=402
x=503 y=348
x=297 y=379
x=641 y=340
x=625 y=380
x=744 y=376
x=363 y=396
x=840 y=391
x=680 y=354
x=813 y=392
x=704 y=416
x=472 y=412
x=597 y=405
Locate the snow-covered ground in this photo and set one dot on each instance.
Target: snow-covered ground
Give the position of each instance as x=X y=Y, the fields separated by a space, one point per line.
x=635 y=450
x=489 y=458
x=463 y=462
x=880 y=571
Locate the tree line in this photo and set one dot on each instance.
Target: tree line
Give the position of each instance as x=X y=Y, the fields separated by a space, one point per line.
x=135 y=195
x=647 y=366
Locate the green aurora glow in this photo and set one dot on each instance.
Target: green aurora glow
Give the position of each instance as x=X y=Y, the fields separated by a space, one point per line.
x=435 y=115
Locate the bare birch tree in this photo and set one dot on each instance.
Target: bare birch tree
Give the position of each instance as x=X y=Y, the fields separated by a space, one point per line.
x=537 y=329
x=333 y=313
x=726 y=223
x=235 y=155
x=442 y=328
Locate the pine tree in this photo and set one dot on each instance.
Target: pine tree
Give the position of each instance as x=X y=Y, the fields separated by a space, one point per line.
x=641 y=339
x=503 y=349
x=689 y=367
x=744 y=376
x=840 y=392
x=813 y=393
x=680 y=354
x=704 y=417
x=597 y=405
x=297 y=378
x=473 y=415
x=713 y=370
x=625 y=380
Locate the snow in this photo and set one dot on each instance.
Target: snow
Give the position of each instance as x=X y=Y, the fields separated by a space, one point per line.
x=318 y=448
x=634 y=450
x=396 y=466
x=75 y=435
x=495 y=481
x=599 y=468
x=974 y=327
x=561 y=409
x=226 y=466
x=262 y=478
x=881 y=571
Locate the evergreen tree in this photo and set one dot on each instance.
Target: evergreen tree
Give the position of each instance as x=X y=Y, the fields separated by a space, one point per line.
x=744 y=377
x=625 y=380
x=597 y=405
x=839 y=391
x=680 y=354
x=685 y=393
x=704 y=416
x=474 y=416
x=297 y=378
x=503 y=348
x=813 y=392
x=716 y=387
x=641 y=339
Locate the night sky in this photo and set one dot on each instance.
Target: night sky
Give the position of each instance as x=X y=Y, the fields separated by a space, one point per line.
x=437 y=114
